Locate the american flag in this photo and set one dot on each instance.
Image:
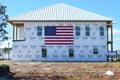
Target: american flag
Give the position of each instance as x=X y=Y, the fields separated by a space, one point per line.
x=59 y=35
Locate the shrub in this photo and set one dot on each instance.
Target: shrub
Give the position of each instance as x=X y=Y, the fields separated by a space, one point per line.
x=118 y=57
x=4 y=69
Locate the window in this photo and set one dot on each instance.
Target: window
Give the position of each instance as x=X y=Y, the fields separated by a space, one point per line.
x=39 y=30
x=44 y=51
x=101 y=31
x=77 y=29
x=95 y=49
x=71 y=51
x=87 y=30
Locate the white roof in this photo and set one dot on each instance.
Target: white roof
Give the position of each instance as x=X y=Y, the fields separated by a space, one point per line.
x=60 y=12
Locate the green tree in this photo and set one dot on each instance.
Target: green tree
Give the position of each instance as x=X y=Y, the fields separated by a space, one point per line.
x=7 y=51
x=3 y=23
x=118 y=55
x=1 y=53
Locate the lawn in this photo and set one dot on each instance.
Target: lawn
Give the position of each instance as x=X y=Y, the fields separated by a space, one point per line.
x=64 y=70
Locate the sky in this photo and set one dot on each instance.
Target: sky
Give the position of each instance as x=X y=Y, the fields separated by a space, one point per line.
x=108 y=8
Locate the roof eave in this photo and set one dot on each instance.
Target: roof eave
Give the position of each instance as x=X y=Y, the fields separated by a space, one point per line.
x=59 y=20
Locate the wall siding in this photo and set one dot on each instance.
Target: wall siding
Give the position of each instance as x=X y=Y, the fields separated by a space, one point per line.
x=30 y=49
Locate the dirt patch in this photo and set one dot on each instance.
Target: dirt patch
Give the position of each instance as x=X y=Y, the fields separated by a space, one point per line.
x=64 y=70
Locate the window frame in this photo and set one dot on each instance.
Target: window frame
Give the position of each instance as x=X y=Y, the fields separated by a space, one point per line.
x=71 y=51
x=77 y=30
x=44 y=51
x=39 y=30
x=101 y=31
x=87 y=30
x=95 y=49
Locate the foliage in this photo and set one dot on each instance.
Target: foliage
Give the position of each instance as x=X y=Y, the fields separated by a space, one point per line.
x=4 y=68
x=5 y=51
x=118 y=57
x=1 y=52
x=3 y=23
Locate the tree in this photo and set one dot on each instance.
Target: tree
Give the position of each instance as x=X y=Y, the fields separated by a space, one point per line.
x=1 y=53
x=7 y=51
x=3 y=23
x=118 y=55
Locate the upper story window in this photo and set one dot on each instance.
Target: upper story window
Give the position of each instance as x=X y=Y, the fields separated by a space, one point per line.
x=101 y=31
x=77 y=30
x=95 y=49
x=39 y=30
x=87 y=31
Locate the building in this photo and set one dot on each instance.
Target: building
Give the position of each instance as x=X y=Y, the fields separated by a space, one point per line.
x=61 y=32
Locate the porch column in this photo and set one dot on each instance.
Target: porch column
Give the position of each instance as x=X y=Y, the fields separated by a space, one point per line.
x=13 y=32
x=111 y=38
x=107 y=39
x=16 y=33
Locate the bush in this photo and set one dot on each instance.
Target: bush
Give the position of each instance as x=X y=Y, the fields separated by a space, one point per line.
x=118 y=57
x=4 y=69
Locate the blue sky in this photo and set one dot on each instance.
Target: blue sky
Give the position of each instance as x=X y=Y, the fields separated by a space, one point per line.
x=108 y=8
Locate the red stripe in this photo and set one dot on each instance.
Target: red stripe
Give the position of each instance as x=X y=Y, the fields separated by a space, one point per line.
x=58 y=40
x=59 y=37
x=59 y=43
x=65 y=27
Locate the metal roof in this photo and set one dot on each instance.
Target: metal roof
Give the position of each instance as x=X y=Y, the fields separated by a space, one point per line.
x=61 y=12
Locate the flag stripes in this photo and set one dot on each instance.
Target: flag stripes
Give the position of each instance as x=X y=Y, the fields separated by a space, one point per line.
x=59 y=35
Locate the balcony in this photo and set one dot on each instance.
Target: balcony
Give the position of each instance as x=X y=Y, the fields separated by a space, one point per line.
x=18 y=40
x=112 y=56
x=112 y=53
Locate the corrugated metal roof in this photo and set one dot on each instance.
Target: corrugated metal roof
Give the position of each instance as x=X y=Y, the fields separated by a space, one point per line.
x=60 y=12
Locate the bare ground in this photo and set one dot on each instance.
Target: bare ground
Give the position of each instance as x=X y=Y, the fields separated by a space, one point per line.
x=64 y=70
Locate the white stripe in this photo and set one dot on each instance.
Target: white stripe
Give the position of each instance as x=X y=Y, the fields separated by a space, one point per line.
x=64 y=27
x=64 y=33
x=64 y=30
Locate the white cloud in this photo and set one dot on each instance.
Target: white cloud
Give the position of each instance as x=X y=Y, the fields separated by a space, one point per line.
x=117 y=39
x=115 y=31
x=5 y=43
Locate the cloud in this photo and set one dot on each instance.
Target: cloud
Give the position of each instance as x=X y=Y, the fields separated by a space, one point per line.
x=117 y=39
x=5 y=43
x=115 y=31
